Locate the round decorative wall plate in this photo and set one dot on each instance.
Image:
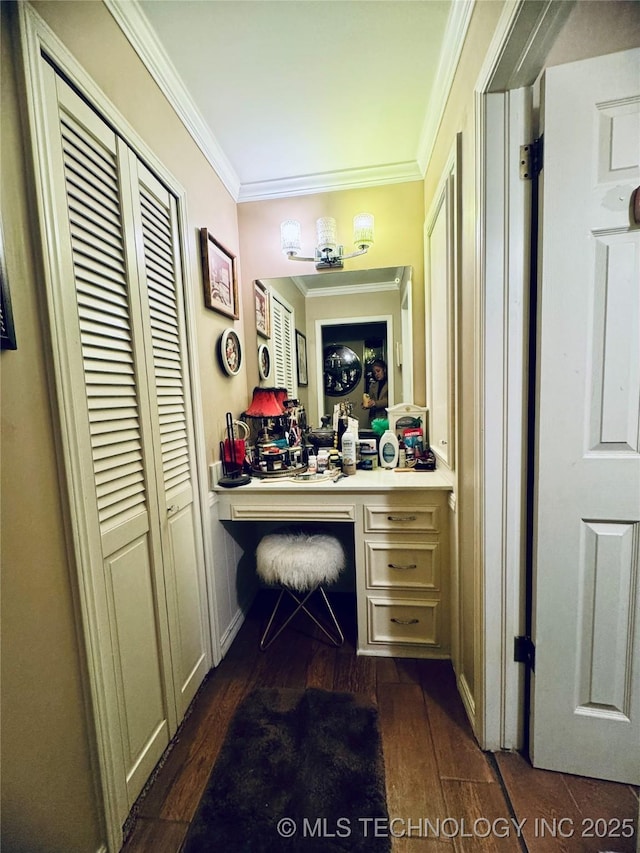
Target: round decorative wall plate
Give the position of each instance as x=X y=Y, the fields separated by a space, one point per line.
x=264 y=361
x=230 y=352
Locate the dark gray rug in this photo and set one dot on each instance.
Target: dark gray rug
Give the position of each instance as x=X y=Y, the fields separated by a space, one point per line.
x=298 y=771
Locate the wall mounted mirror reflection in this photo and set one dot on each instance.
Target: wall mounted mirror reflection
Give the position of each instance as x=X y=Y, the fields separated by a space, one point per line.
x=372 y=307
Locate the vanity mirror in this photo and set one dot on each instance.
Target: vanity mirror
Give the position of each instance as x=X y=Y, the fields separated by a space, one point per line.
x=326 y=305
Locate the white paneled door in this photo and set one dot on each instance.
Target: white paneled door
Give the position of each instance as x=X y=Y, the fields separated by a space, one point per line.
x=121 y=348
x=586 y=699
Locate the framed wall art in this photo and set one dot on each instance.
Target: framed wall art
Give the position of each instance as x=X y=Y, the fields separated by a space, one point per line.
x=264 y=361
x=219 y=274
x=263 y=309
x=301 y=357
x=230 y=352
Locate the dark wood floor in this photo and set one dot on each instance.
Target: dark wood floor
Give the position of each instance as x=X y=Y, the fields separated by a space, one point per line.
x=437 y=778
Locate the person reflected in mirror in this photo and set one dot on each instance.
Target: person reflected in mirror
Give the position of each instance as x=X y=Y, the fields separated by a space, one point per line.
x=376 y=400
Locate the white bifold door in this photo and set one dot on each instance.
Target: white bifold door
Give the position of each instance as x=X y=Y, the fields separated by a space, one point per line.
x=121 y=349
x=586 y=700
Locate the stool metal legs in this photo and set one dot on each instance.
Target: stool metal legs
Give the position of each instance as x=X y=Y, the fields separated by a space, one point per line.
x=337 y=639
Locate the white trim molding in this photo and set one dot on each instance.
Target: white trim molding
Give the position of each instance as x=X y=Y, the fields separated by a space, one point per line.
x=454 y=38
x=347 y=179
x=342 y=290
x=135 y=25
x=514 y=59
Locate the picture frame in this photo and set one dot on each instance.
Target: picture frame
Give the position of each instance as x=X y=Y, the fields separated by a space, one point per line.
x=264 y=361
x=301 y=358
x=263 y=309
x=219 y=276
x=230 y=352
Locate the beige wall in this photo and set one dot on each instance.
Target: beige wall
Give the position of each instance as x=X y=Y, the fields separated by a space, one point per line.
x=48 y=795
x=597 y=27
x=398 y=242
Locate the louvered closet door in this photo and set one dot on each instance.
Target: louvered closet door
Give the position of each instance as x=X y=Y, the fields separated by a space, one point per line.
x=283 y=346
x=105 y=360
x=163 y=317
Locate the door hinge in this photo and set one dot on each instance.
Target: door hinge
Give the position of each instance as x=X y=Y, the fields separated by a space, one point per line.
x=531 y=159
x=524 y=651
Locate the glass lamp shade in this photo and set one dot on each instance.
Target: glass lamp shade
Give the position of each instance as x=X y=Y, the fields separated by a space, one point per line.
x=363 y=229
x=327 y=234
x=290 y=237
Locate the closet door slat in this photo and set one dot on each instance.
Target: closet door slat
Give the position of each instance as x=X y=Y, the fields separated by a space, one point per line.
x=165 y=333
x=92 y=180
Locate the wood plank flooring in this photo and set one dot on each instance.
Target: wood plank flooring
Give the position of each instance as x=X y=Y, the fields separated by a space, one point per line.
x=444 y=795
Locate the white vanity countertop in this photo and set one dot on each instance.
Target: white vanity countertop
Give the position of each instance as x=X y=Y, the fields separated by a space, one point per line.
x=380 y=480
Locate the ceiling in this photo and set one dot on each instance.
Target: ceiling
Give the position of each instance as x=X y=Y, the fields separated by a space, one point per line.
x=335 y=283
x=295 y=96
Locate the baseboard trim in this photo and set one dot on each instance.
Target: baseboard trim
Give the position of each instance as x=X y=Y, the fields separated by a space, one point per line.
x=467 y=700
x=232 y=631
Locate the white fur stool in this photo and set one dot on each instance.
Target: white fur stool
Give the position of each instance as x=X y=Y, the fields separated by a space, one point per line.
x=300 y=561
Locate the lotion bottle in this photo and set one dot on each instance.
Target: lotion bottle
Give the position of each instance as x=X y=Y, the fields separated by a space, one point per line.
x=389 y=450
x=348 y=453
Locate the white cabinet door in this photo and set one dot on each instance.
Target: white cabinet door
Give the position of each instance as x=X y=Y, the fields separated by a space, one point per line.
x=586 y=700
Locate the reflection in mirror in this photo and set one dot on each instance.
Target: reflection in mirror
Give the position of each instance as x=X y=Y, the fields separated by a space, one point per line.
x=373 y=309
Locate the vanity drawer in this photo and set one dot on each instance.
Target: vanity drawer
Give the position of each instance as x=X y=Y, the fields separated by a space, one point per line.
x=409 y=566
x=380 y=519
x=403 y=621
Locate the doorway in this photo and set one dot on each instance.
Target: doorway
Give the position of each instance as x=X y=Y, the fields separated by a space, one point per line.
x=368 y=338
x=502 y=415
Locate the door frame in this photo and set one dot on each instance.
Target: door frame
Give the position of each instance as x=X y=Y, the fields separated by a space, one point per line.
x=387 y=319
x=515 y=58
x=36 y=42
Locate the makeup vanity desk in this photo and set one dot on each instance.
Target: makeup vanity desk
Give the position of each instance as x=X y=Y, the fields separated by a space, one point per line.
x=401 y=547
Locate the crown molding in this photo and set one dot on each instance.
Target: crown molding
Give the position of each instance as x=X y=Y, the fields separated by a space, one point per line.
x=323 y=182
x=135 y=26
x=456 y=32
x=138 y=31
x=342 y=289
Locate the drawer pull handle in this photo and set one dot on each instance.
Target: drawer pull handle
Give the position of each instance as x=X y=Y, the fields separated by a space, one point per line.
x=405 y=621
x=402 y=568
x=402 y=517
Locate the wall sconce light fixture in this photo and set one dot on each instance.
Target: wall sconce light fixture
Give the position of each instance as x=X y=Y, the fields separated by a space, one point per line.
x=328 y=254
